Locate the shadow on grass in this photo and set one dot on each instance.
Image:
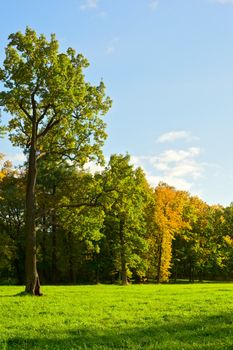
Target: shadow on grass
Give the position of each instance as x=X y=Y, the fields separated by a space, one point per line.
x=204 y=333
x=20 y=294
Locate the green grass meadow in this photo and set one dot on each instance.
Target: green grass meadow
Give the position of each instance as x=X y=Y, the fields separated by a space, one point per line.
x=198 y=316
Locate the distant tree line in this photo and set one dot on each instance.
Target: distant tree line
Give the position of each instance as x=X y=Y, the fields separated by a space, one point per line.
x=111 y=227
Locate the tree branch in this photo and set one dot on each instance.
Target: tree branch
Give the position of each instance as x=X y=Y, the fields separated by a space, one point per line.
x=49 y=126
x=25 y=111
x=33 y=101
x=93 y=201
x=46 y=108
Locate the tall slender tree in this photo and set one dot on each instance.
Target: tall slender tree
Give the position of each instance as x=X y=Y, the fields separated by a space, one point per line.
x=125 y=224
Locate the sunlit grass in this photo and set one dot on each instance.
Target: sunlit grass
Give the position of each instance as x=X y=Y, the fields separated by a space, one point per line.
x=198 y=316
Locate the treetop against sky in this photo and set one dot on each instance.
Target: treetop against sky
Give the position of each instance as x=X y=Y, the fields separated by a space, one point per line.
x=167 y=66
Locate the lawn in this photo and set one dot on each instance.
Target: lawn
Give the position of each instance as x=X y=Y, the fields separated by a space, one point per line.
x=198 y=316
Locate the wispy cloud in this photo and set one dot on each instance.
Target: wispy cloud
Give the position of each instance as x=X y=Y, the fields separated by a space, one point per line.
x=175 y=135
x=179 y=168
x=153 y=4
x=174 y=156
x=102 y=14
x=112 y=46
x=89 y=5
x=224 y=2
x=176 y=182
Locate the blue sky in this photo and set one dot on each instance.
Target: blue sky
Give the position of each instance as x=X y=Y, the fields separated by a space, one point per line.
x=167 y=65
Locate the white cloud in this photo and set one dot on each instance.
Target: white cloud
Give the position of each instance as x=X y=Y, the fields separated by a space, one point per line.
x=178 y=168
x=153 y=4
x=174 y=136
x=189 y=168
x=175 y=182
x=93 y=168
x=172 y=155
x=112 y=46
x=89 y=5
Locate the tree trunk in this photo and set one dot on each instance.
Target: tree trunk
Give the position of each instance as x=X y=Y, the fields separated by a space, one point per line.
x=158 y=278
x=32 y=277
x=191 y=272
x=124 y=280
x=54 y=251
x=72 y=267
x=97 y=270
x=54 y=243
x=44 y=271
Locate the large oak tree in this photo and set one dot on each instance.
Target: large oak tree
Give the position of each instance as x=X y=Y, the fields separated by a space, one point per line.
x=55 y=113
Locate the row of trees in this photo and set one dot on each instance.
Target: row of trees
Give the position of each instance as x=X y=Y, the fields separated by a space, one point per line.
x=112 y=226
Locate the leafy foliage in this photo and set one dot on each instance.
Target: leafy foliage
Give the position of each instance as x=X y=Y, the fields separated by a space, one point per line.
x=47 y=89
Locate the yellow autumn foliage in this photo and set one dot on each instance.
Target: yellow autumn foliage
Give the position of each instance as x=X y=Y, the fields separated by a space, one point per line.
x=169 y=221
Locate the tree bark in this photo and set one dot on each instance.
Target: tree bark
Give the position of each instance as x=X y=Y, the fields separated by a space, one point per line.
x=124 y=280
x=72 y=269
x=158 y=277
x=32 y=277
x=54 y=250
x=54 y=243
